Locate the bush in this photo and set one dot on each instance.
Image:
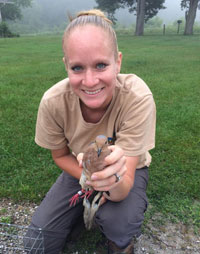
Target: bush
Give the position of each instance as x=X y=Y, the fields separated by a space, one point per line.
x=5 y=31
x=154 y=22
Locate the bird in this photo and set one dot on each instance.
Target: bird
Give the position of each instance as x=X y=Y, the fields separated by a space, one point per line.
x=93 y=161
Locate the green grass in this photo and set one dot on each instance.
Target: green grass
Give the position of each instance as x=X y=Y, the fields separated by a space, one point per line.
x=170 y=66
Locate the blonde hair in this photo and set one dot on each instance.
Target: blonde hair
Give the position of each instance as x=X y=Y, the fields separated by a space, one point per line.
x=93 y=17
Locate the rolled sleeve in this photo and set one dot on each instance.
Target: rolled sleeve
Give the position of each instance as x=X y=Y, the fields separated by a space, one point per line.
x=49 y=131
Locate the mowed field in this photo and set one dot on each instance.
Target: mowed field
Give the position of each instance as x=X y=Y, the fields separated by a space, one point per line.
x=170 y=65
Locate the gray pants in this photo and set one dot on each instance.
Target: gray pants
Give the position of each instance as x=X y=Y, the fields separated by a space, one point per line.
x=119 y=221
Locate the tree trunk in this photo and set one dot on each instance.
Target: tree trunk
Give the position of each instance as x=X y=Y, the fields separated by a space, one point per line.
x=190 y=16
x=0 y=16
x=1 y=6
x=140 y=17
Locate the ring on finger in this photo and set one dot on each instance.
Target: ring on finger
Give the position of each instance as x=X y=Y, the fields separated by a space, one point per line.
x=117 y=177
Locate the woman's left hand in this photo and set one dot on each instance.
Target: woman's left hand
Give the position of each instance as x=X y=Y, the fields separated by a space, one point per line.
x=112 y=174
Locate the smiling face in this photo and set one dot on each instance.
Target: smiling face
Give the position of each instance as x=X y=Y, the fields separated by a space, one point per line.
x=91 y=65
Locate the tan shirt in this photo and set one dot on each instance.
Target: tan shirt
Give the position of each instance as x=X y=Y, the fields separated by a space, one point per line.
x=131 y=116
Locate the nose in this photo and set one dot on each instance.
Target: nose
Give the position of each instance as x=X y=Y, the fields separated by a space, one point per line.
x=90 y=79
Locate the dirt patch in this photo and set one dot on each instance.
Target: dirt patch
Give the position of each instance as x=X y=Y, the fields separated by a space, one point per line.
x=169 y=239
x=157 y=239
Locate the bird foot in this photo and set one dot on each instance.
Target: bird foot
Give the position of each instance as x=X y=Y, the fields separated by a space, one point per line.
x=87 y=194
x=76 y=197
x=80 y=194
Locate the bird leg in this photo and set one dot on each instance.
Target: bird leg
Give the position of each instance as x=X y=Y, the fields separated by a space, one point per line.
x=90 y=209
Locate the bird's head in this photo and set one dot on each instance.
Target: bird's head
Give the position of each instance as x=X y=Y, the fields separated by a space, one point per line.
x=100 y=141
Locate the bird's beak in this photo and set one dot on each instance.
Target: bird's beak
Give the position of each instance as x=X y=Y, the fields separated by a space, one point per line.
x=99 y=152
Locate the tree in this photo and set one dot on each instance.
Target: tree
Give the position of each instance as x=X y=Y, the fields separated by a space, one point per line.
x=144 y=9
x=110 y=6
x=190 y=14
x=141 y=6
x=12 y=11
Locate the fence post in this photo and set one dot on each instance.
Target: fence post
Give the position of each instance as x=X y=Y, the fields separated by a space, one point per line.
x=164 y=29
x=179 y=23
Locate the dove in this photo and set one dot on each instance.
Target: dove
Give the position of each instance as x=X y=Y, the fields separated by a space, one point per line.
x=93 y=161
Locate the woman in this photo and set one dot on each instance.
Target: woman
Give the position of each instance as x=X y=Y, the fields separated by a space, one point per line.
x=95 y=99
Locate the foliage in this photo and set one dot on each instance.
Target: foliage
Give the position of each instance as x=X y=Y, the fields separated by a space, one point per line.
x=155 y=22
x=185 y=4
x=43 y=17
x=5 y=31
x=110 y=7
x=154 y=27
x=152 y=7
x=13 y=11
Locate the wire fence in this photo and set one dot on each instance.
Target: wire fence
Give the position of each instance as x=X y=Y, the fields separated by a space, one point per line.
x=15 y=239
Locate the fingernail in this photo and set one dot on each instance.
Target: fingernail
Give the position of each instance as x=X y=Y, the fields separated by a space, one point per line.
x=94 y=177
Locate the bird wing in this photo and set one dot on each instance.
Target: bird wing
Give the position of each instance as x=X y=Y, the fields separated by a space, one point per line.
x=94 y=157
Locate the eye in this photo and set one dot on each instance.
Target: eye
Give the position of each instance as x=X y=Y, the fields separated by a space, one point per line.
x=76 y=68
x=101 y=66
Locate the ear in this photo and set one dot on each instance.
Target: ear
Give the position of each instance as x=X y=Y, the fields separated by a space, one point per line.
x=119 y=62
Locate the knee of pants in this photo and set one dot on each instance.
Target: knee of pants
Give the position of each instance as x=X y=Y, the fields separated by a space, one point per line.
x=121 y=221
x=121 y=225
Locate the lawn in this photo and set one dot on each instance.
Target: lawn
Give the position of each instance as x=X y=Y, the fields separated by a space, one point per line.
x=170 y=65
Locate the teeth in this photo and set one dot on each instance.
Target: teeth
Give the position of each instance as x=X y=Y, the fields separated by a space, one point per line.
x=92 y=92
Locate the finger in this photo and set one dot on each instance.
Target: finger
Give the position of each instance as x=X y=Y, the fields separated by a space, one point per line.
x=106 y=187
x=120 y=173
x=103 y=200
x=110 y=170
x=101 y=185
x=115 y=155
x=117 y=177
x=108 y=183
x=80 y=159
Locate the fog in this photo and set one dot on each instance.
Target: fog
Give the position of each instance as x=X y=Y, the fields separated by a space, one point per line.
x=174 y=12
x=170 y=14
x=51 y=15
